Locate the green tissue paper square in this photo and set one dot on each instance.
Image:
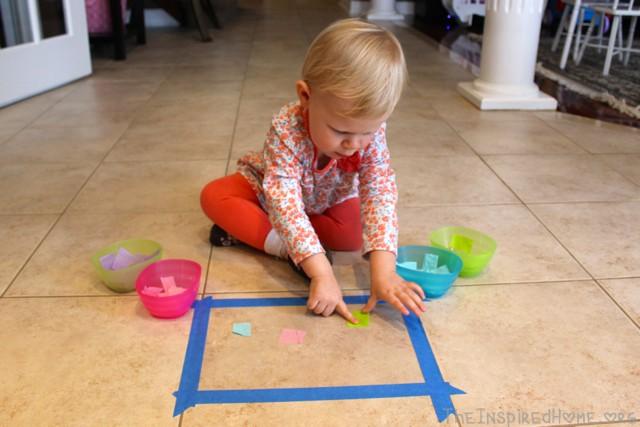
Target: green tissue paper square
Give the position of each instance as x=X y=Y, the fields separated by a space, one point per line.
x=363 y=319
x=460 y=244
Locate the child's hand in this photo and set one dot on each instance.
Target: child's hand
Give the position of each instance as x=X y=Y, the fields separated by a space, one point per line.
x=325 y=297
x=397 y=292
x=388 y=286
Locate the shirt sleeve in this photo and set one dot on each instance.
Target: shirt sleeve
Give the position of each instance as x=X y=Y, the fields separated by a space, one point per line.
x=378 y=197
x=283 y=197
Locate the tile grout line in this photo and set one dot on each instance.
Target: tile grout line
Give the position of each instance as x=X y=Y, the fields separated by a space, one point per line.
x=520 y=203
x=446 y=51
x=583 y=202
x=598 y=284
x=566 y=135
x=607 y=293
x=244 y=80
x=532 y=283
x=253 y=35
x=304 y=292
x=598 y=423
x=39 y=162
x=66 y=208
x=230 y=151
x=33 y=120
x=13 y=135
x=548 y=126
x=20 y=297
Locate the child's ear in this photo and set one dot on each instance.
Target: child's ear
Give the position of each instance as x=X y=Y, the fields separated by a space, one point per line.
x=302 y=88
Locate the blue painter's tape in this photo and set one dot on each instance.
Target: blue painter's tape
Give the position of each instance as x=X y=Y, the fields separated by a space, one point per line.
x=186 y=394
x=429 y=366
x=276 y=302
x=357 y=299
x=321 y=393
x=257 y=302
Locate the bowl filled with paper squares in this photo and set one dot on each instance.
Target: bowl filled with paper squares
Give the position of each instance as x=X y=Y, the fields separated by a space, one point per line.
x=433 y=269
x=475 y=248
x=167 y=288
x=119 y=264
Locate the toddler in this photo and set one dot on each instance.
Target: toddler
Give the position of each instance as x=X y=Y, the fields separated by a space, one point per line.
x=323 y=179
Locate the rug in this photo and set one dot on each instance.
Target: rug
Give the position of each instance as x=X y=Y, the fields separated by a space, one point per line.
x=620 y=89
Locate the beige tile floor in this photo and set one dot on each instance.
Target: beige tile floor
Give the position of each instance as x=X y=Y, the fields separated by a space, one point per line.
x=553 y=326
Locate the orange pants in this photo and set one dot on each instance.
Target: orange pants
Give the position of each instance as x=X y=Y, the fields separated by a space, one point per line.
x=231 y=203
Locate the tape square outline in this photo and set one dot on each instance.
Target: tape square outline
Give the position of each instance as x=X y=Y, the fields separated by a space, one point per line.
x=188 y=394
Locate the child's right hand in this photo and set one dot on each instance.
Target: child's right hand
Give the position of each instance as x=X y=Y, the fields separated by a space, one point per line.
x=325 y=295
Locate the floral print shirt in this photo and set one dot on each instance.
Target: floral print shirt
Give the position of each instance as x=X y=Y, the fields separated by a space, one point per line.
x=290 y=187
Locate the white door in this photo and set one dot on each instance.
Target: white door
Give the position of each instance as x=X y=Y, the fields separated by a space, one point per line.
x=43 y=44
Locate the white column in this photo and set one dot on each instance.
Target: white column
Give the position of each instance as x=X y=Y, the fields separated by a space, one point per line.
x=384 y=10
x=507 y=65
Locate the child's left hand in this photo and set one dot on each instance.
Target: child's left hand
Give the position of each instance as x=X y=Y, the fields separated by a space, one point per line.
x=397 y=292
x=387 y=285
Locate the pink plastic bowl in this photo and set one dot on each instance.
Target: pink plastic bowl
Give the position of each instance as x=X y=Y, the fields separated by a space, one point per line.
x=186 y=274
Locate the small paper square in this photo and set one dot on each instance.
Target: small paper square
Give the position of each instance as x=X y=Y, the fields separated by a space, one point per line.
x=409 y=264
x=124 y=259
x=429 y=262
x=107 y=261
x=152 y=290
x=292 y=336
x=173 y=291
x=168 y=283
x=443 y=269
x=460 y=243
x=363 y=320
x=242 y=329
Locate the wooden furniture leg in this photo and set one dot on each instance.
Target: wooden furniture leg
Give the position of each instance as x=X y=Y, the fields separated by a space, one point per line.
x=137 y=17
x=200 y=20
x=212 y=14
x=117 y=23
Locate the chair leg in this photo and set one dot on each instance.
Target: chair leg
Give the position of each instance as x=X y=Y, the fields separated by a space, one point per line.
x=587 y=39
x=199 y=15
x=212 y=14
x=137 y=16
x=610 y=47
x=632 y=29
x=620 y=52
x=561 y=27
x=570 y=31
x=117 y=24
x=576 y=45
x=601 y=31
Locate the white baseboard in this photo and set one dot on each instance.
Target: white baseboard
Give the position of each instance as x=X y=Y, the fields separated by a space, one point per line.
x=155 y=18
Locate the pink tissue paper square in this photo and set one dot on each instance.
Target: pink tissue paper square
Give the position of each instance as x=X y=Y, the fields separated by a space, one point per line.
x=292 y=336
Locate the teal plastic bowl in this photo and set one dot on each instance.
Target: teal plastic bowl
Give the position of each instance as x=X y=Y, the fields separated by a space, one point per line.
x=434 y=285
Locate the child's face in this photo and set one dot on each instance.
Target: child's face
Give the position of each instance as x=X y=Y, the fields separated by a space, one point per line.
x=334 y=135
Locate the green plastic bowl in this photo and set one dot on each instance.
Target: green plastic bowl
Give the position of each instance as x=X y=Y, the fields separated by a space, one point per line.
x=475 y=248
x=124 y=280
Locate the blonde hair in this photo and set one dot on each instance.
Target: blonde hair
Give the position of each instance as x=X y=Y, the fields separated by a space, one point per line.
x=358 y=62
